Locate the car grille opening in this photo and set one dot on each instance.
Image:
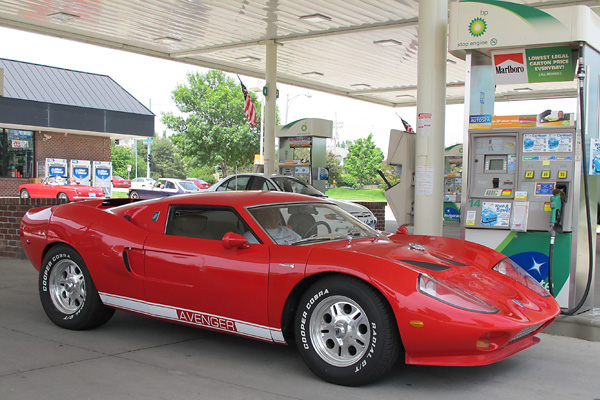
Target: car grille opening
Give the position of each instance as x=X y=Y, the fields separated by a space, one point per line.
x=526 y=332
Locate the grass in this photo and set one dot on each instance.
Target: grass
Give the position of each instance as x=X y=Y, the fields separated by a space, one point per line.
x=356 y=194
x=119 y=195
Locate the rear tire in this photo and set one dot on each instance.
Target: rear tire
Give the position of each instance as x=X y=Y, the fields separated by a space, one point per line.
x=134 y=195
x=67 y=292
x=346 y=332
x=24 y=194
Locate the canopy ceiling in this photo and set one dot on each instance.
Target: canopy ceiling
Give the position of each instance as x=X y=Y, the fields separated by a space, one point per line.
x=360 y=49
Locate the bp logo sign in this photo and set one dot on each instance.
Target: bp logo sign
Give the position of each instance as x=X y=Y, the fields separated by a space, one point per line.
x=477 y=27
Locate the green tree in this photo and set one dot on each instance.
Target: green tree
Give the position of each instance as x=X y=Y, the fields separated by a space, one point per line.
x=363 y=160
x=335 y=169
x=120 y=157
x=166 y=160
x=213 y=129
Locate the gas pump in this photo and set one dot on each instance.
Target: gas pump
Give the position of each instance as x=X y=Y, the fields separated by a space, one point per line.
x=56 y=167
x=513 y=176
x=102 y=176
x=527 y=193
x=310 y=166
x=401 y=197
x=80 y=170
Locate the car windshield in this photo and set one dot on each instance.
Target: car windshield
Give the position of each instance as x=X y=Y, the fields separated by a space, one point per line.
x=56 y=180
x=292 y=185
x=189 y=185
x=307 y=223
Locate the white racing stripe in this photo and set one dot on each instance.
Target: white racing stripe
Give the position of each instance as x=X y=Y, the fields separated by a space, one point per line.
x=193 y=317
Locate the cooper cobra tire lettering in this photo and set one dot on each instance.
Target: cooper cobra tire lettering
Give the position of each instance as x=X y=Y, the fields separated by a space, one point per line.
x=345 y=331
x=67 y=292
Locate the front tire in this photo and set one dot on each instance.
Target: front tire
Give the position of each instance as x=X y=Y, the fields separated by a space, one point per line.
x=346 y=331
x=63 y=196
x=67 y=292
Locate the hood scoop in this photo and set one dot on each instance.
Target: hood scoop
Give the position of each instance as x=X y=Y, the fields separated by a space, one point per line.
x=426 y=265
x=430 y=265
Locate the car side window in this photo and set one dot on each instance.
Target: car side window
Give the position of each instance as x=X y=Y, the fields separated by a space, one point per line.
x=170 y=185
x=259 y=183
x=236 y=183
x=204 y=222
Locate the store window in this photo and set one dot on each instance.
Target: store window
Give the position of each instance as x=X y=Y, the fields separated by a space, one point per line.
x=16 y=153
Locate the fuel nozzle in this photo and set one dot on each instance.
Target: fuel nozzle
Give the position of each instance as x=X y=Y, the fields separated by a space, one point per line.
x=556 y=202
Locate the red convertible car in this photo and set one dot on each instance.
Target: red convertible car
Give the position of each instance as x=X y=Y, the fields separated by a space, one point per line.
x=285 y=268
x=59 y=187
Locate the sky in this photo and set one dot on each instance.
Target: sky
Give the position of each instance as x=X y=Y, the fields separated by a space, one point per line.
x=151 y=80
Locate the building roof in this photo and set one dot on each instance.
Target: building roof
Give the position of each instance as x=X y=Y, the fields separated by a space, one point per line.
x=45 y=97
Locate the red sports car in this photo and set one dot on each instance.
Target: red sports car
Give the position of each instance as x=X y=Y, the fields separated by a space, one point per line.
x=119 y=182
x=286 y=268
x=59 y=187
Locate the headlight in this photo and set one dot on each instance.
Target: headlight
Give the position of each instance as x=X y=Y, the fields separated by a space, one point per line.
x=511 y=269
x=453 y=295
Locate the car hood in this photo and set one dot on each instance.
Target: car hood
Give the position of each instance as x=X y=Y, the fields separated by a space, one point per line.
x=348 y=206
x=462 y=263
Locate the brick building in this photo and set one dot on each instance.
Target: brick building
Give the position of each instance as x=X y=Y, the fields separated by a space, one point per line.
x=48 y=112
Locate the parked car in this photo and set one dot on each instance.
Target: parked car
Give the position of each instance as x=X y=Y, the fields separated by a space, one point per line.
x=140 y=182
x=199 y=183
x=119 y=182
x=284 y=183
x=163 y=187
x=351 y=301
x=59 y=187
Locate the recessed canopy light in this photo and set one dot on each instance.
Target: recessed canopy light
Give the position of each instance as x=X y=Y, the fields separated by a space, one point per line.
x=387 y=42
x=523 y=89
x=450 y=61
x=316 y=18
x=313 y=74
x=248 y=59
x=405 y=96
x=62 y=16
x=167 y=40
x=361 y=85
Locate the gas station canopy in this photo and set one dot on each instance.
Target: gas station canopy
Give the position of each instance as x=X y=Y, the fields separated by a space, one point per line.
x=365 y=50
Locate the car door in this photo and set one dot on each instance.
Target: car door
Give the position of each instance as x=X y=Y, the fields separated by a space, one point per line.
x=191 y=277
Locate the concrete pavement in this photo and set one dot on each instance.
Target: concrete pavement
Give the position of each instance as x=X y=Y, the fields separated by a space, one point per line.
x=132 y=357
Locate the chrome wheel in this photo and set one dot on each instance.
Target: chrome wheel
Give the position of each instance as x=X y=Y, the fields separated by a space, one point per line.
x=63 y=196
x=24 y=194
x=66 y=285
x=134 y=195
x=340 y=331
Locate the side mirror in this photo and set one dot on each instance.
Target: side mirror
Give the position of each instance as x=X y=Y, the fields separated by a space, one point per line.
x=233 y=240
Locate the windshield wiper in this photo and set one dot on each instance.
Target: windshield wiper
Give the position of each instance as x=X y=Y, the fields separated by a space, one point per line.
x=322 y=238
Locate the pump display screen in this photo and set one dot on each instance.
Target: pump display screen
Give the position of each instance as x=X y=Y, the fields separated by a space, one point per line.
x=496 y=164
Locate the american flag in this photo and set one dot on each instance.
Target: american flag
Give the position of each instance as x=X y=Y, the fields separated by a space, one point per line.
x=249 y=108
x=407 y=126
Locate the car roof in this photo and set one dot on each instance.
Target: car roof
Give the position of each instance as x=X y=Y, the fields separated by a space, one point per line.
x=236 y=199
